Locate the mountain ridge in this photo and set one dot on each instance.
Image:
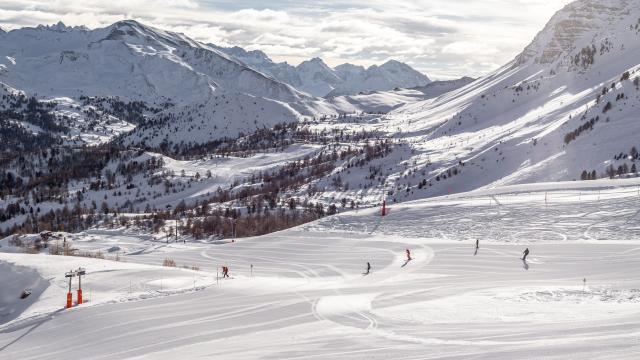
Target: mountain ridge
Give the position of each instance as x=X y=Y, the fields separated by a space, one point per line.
x=562 y=109
x=315 y=77
x=129 y=62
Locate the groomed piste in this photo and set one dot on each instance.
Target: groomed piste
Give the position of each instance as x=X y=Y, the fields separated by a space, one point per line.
x=301 y=293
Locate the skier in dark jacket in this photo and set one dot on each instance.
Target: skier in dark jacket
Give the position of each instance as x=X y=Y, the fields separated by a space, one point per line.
x=408 y=255
x=368 y=269
x=525 y=254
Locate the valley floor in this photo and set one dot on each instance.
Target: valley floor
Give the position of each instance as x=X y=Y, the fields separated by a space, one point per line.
x=305 y=296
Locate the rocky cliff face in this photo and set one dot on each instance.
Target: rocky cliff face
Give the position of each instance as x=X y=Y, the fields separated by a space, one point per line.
x=578 y=25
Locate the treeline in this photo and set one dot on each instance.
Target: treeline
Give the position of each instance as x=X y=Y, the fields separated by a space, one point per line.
x=608 y=106
x=263 y=195
x=44 y=176
x=22 y=108
x=15 y=138
x=131 y=111
x=17 y=111
x=278 y=138
x=620 y=170
x=30 y=178
x=588 y=125
x=198 y=221
x=266 y=188
x=257 y=224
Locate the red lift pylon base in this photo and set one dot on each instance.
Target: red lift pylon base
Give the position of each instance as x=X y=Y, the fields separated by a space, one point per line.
x=79 y=296
x=69 y=300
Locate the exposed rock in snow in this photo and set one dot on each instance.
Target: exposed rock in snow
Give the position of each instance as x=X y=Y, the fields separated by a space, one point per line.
x=579 y=24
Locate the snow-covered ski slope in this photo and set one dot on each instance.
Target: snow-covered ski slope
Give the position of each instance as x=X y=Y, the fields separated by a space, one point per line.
x=567 y=104
x=112 y=282
x=307 y=297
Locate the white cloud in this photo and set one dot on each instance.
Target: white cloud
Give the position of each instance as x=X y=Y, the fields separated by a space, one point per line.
x=468 y=48
x=442 y=38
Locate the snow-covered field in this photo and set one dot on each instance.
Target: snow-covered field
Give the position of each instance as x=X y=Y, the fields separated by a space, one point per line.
x=106 y=282
x=576 y=297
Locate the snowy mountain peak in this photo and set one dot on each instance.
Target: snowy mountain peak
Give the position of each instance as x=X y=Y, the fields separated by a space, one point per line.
x=168 y=76
x=255 y=54
x=394 y=64
x=61 y=27
x=315 y=77
x=404 y=73
x=347 y=69
x=133 y=32
x=581 y=24
x=390 y=75
x=314 y=64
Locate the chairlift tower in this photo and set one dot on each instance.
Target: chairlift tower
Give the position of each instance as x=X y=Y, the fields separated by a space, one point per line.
x=80 y=272
x=69 y=275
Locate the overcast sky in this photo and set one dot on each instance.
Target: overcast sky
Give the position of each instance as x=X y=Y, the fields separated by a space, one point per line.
x=442 y=38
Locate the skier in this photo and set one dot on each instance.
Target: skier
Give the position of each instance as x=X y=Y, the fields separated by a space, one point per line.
x=225 y=272
x=368 y=269
x=477 y=244
x=525 y=254
x=409 y=255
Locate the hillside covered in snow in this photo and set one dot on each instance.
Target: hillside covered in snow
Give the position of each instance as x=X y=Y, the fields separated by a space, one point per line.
x=564 y=109
x=305 y=291
x=236 y=141
x=218 y=210
x=136 y=74
x=152 y=88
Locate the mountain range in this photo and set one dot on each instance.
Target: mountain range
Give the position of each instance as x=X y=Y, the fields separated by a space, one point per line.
x=563 y=109
x=317 y=78
x=189 y=92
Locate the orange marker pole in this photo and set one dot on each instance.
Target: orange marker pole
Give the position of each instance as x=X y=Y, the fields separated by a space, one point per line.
x=80 y=272
x=79 y=288
x=70 y=274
